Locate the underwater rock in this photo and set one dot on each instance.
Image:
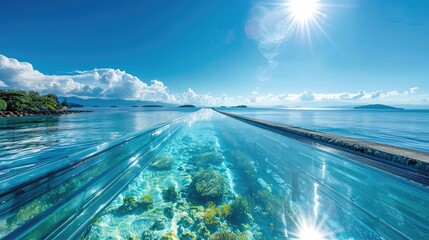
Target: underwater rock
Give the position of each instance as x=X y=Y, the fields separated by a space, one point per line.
x=168 y=212
x=170 y=194
x=188 y=236
x=204 y=160
x=208 y=185
x=186 y=221
x=162 y=163
x=148 y=235
x=159 y=224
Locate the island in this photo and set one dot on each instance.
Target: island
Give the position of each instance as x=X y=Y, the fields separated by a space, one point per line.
x=15 y=103
x=377 y=107
x=152 y=106
x=187 y=106
x=240 y=106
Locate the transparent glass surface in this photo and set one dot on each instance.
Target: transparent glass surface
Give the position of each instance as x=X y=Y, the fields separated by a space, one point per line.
x=403 y=128
x=219 y=177
x=26 y=142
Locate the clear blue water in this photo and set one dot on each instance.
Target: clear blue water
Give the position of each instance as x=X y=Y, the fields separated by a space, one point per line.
x=217 y=174
x=26 y=141
x=403 y=128
x=292 y=191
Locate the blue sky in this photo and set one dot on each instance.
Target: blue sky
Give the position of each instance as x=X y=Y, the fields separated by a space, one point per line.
x=215 y=51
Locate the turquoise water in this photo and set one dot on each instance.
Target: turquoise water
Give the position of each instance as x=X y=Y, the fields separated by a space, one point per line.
x=27 y=141
x=403 y=128
x=274 y=187
x=197 y=178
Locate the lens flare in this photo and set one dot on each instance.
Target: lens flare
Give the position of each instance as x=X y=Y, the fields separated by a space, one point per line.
x=308 y=229
x=304 y=10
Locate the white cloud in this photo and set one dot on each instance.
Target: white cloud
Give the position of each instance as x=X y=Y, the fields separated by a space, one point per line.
x=115 y=83
x=100 y=82
x=103 y=82
x=191 y=96
x=309 y=96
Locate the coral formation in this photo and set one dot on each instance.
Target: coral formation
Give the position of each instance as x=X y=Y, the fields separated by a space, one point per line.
x=204 y=160
x=239 y=210
x=129 y=204
x=224 y=235
x=208 y=186
x=146 y=200
x=169 y=236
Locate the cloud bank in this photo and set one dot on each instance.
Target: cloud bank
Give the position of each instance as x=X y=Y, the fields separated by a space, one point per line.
x=115 y=83
x=309 y=96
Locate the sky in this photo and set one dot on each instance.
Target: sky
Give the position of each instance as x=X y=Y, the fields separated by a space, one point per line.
x=219 y=52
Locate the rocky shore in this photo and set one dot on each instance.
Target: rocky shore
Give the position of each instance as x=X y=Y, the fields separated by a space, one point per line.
x=5 y=114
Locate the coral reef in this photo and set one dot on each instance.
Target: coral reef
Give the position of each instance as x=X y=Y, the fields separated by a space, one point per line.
x=204 y=160
x=208 y=186
x=146 y=201
x=129 y=204
x=239 y=210
x=224 y=235
x=169 y=236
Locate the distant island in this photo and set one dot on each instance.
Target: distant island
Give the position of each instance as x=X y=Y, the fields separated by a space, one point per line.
x=15 y=103
x=100 y=102
x=240 y=106
x=152 y=106
x=377 y=106
x=187 y=106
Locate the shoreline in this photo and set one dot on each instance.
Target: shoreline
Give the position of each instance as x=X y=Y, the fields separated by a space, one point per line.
x=9 y=114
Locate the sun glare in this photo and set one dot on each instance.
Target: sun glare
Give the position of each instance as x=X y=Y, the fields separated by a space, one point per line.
x=303 y=10
x=304 y=15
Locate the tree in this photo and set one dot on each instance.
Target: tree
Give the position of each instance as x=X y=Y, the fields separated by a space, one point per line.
x=21 y=100
x=3 y=105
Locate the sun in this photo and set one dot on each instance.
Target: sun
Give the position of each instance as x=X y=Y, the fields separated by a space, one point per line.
x=304 y=15
x=303 y=10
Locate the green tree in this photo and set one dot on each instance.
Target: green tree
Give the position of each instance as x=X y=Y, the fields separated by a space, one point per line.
x=3 y=105
x=21 y=100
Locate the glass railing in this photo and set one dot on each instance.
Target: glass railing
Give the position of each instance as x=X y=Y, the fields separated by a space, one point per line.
x=232 y=180
x=44 y=201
